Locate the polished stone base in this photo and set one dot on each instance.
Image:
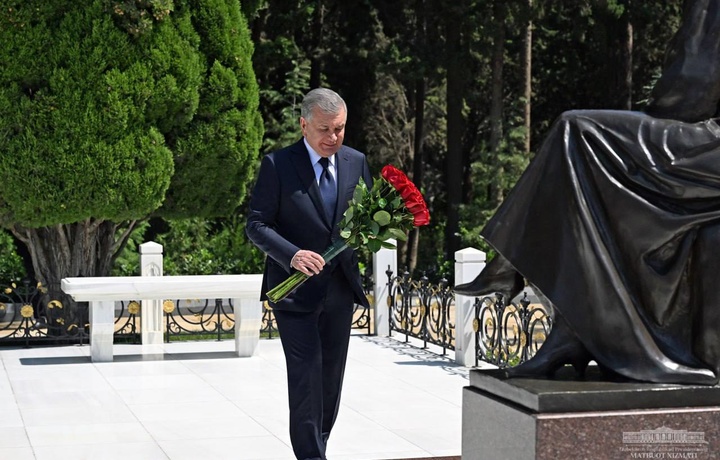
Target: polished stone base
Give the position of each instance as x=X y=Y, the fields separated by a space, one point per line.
x=592 y=417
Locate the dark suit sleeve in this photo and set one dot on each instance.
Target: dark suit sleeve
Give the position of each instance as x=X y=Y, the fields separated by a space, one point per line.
x=366 y=174
x=261 y=221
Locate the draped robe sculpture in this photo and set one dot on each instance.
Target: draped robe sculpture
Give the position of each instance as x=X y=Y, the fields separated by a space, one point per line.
x=616 y=222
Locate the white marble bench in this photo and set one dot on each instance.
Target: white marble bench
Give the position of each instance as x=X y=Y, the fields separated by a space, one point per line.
x=103 y=292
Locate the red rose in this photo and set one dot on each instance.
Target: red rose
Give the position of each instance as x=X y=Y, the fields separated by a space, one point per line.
x=421 y=218
x=410 y=194
x=415 y=203
x=413 y=199
x=396 y=178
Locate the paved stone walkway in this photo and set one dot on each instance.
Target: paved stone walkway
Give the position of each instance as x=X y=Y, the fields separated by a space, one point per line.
x=196 y=401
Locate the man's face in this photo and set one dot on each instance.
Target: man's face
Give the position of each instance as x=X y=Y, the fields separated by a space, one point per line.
x=324 y=131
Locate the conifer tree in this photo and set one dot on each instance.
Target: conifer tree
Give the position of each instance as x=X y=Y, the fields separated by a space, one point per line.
x=113 y=111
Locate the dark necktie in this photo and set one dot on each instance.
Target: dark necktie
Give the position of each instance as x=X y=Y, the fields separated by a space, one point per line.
x=328 y=190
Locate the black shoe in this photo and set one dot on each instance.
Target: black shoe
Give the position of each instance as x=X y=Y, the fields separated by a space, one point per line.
x=497 y=276
x=560 y=348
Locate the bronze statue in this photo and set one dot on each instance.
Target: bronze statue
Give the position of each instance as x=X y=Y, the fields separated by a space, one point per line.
x=617 y=222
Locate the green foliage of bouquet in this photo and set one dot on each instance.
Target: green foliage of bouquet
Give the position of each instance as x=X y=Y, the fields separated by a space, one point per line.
x=387 y=211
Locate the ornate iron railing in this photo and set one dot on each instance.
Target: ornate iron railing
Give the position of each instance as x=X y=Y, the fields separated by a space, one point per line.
x=28 y=316
x=362 y=317
x=217 y=319
x=22 y=321
x=203 y=318
x=127 y=322
x=210 y=319
x=508 y=334
x=422 y=310
x=361 y=321
x=269 y=325
x=505 y=334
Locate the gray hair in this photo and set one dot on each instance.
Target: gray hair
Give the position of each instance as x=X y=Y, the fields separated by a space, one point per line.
x=327 y=100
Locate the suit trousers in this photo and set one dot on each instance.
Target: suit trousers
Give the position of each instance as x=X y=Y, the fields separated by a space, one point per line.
x=315 y=345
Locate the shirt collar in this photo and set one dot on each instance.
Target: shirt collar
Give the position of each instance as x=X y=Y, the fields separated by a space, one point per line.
x=315 y=157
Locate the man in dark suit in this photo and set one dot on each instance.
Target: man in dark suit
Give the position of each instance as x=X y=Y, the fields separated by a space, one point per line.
x=300 y=196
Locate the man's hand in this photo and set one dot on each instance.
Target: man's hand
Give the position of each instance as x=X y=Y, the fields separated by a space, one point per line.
x=307 y=262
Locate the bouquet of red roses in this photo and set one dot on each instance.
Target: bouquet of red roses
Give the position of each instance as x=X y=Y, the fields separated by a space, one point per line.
x=387 y=211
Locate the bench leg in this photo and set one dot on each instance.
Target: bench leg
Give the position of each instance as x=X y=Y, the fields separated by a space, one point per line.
x=152 y=322
x=102 y=329
x=248 y=320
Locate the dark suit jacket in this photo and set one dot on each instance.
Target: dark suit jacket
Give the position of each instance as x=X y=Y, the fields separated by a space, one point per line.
x=286 y=215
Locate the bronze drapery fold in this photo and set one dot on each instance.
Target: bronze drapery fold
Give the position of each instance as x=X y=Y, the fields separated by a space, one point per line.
x=617 y=219
x=613 y=221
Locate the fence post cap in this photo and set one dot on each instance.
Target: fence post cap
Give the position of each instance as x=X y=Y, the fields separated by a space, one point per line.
x=151 y=247
x=470 y=255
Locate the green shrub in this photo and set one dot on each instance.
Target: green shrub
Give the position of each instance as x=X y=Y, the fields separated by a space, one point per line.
x=11 y=264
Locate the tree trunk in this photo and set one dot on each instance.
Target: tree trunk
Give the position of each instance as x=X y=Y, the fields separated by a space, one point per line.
x=627 y=64
x=86 y=248
x=418 y=163
x=527 y=68
x=317 y=40
x=419 y=135
x=497 y=103
x=454 y=159
x=616 y=74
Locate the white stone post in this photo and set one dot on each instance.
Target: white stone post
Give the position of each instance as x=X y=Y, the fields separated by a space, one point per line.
x=151 y=313
x=469 y=262
x=102 y=321
x=383 y=260
x=248 y=321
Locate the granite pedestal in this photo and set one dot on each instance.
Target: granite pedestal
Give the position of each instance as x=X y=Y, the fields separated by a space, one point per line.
x=592 y=417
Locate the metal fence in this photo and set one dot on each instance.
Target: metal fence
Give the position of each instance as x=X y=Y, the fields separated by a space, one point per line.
x=362 y=317
x=361 y=321
x=422 y=310
x=507 y=334
x=206 y=320
x=28 y=316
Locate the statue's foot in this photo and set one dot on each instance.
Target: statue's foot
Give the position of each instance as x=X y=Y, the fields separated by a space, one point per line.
x=560 y=348
x=546 y=363
x=498 y=276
